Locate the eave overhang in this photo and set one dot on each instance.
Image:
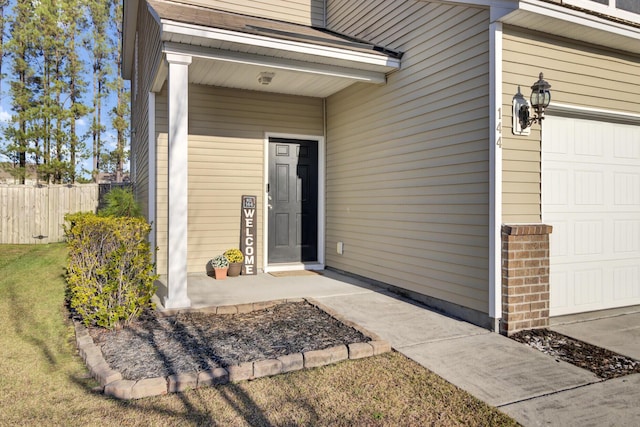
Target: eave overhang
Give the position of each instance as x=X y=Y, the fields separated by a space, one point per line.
x=231 y=50
x=129 y=23
x=567 y=22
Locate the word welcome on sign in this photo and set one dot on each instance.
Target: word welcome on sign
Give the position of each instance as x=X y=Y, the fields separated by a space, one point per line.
x=248 y=239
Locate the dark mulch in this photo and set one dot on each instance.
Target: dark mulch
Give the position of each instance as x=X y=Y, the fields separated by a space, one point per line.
x=602 y=362
x=157 y=346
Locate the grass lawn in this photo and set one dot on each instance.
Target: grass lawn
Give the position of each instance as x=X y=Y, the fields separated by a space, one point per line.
x=44 y=382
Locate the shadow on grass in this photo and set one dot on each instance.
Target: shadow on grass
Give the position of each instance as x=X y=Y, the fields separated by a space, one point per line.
x=26 y=326
x=34 y=311
x=194 y=404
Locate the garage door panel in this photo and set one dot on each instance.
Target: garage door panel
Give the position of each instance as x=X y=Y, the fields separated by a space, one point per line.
x=561 y=135
x=626 y=237
x=559 y=240
x=588 y=237
x=561 y=295
x=627 y=189
x=555 y=187
x=624 y=146
x=590 y=136
x=591 y=197
x=587 y=286
x=588 y=187
x=626 y=283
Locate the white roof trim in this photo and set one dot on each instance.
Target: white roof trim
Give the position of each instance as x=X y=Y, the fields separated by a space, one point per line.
x=606 y=9
x=478 y=3
x=129 y=18
x=593 y=113
x=577 y=17
x=281 y=63
x=272 y=43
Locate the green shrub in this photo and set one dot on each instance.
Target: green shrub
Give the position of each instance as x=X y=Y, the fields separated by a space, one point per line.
x=120 y=202
x=110 y=278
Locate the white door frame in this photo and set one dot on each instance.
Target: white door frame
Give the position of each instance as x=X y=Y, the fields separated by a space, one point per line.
x=319 y=265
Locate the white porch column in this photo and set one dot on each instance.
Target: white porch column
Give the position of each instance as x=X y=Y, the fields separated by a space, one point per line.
x=178 y=86
x=151 y=141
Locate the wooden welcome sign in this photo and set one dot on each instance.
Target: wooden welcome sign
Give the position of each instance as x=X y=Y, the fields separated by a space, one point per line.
x=248 y=234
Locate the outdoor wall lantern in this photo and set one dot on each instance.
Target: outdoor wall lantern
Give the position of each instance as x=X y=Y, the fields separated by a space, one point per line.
x=540 y=99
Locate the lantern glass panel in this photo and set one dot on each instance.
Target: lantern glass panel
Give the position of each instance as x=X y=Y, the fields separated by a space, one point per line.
x=547 y=99
x=540 y=99
x=535 y=98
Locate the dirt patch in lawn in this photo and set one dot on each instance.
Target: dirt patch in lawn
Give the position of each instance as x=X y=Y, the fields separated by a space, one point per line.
x=157 y=346
x=602 y=362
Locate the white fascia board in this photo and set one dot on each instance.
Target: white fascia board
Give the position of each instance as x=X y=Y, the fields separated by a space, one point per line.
x=129 y=25
x=160 y=76
x=169 y=27
x=609 y=9
x=477 y=3
x=593 y=113
x=279 y=63
x=562 y=13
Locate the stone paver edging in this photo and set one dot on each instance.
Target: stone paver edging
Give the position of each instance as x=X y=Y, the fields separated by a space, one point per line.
x=113 y=384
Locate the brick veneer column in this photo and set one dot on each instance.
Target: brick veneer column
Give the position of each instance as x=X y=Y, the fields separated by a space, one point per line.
x=525 y=277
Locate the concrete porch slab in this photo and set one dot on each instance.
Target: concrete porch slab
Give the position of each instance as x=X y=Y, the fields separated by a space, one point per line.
x=205 y=291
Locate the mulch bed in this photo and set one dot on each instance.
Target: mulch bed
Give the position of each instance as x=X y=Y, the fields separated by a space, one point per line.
x=602 y=362
x=157 y=346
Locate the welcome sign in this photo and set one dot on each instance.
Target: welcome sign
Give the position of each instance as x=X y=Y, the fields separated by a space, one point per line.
x=248 y=234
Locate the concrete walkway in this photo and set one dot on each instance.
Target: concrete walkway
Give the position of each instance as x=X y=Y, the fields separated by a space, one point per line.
x=532 y=387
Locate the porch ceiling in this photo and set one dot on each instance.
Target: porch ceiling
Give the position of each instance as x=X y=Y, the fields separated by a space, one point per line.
x=232 y=50
x=245 y=76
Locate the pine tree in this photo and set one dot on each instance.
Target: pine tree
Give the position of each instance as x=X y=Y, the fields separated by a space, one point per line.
x=120 y=113
x=75 y=23
x=3 y=5
x=23 y=88
x=99 y=48
x=48 y=84
x=48 y=103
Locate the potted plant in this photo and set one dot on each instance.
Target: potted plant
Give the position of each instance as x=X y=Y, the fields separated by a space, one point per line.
x=235 y=257
x=220 y=266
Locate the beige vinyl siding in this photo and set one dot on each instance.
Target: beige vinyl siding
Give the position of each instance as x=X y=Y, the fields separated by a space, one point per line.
x=227 y=130
x=305 y=12
x=144 y=71
x=407 y=162
x=580 y=75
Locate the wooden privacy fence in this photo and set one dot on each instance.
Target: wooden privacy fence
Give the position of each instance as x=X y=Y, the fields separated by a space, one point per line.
x=31 y=214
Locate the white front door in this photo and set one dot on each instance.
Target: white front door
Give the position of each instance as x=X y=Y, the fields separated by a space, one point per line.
x=591 y=197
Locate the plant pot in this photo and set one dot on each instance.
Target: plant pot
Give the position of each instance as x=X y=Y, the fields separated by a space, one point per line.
x=221 y=273
x=235 y=268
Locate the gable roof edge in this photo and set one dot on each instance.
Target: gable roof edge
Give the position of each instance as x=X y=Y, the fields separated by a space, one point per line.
x=129 y=24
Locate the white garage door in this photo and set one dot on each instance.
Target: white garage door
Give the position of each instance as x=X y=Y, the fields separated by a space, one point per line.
x=591 y=197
